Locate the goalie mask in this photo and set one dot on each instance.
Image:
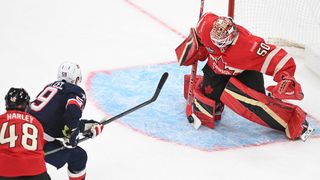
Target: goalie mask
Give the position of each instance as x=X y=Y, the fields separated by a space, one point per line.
x=223 y=32
x=17 y=99
x=70 y=72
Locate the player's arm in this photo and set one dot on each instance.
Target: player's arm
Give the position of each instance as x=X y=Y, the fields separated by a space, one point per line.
x=278 y=63
x=74 y=125
x=73 y=112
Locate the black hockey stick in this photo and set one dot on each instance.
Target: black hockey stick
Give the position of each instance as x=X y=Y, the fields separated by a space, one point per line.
x=107 y=121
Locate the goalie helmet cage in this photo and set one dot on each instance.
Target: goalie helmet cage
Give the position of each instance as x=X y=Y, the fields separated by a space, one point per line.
x=282 y=22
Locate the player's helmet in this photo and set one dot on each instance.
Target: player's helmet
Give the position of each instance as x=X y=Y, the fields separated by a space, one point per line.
x=17 y=99
x=70 y=72
x=224 y=31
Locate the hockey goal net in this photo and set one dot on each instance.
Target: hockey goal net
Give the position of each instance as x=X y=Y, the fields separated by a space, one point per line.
x=293 y=23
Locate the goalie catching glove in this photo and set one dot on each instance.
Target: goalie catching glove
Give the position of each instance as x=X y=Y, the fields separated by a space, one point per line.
x=287 y=88
x=90 y=128
x=191 y=50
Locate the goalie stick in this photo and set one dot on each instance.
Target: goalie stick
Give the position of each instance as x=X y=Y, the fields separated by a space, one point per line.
x=192 y=118
x=107 y=120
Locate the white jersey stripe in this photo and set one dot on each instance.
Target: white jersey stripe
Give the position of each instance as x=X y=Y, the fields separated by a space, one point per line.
x=283 y=61
x=268 y=60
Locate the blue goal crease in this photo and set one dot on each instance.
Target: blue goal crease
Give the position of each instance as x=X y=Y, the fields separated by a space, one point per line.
x=165 y=118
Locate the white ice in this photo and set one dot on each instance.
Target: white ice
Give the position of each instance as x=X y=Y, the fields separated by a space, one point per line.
x=37 y=35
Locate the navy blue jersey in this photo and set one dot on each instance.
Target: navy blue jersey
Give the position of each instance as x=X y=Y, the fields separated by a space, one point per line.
x=58 y=104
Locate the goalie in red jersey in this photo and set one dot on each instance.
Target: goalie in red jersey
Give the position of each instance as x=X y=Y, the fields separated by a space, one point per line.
x=21 y=140
x=233 y=76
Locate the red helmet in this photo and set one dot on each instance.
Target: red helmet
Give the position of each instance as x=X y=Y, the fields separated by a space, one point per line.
x=223 y=32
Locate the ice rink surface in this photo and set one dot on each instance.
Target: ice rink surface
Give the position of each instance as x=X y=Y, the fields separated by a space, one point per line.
x=37 y=35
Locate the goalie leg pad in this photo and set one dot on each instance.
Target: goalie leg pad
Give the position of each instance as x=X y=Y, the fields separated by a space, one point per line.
x=187 y=82
x=206 y=109
x=264 y=110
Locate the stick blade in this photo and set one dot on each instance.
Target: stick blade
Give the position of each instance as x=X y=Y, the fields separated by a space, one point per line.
x=163 y=79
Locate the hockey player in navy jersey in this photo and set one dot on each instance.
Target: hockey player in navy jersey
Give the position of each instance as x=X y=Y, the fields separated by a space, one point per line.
x=59 y=108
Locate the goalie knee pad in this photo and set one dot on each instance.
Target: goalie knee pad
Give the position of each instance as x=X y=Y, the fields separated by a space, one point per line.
x=187 y=82
x=207 y=110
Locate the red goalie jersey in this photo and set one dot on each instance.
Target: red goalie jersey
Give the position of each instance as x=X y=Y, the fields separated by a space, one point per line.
x=21 y=145
x=249 y=52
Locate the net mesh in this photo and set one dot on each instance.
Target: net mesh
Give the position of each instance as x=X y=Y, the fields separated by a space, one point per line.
x=282 y=22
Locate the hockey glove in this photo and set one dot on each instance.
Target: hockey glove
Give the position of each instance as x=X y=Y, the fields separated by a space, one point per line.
x=287 y=88
x=191 y=50
x=71 y=137
x=90 y=128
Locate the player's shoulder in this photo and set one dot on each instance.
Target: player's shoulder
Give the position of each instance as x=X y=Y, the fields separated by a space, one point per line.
x=34 y=120
x=16 y=116
x=67 y=87
x=245 y=36
x=205 y=25
x=73 y=87
x=206 y=20
x=73 y=91
x=243 y=30
x=209 y=16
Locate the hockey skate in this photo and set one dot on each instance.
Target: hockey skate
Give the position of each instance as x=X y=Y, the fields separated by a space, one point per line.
x=306 y=132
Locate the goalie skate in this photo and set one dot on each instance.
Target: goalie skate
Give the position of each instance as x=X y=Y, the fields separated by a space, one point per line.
x=306 y=132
